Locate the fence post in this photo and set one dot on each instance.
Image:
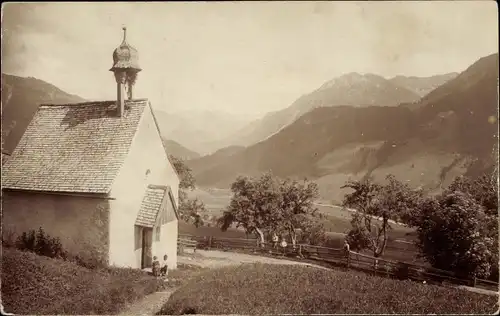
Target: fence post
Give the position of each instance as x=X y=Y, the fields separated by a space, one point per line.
x=348 y=259
x=210 y=242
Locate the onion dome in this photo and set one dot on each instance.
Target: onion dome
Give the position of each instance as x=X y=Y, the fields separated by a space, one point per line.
x=125 y=57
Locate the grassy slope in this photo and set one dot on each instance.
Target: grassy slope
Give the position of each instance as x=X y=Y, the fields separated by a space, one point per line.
x=33 y=284
x=259 y=289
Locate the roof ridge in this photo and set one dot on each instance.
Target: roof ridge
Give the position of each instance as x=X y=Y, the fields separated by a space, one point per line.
x=89 y=103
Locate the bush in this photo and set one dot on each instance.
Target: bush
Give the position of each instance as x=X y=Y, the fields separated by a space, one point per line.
x=89 y=262
x=357 y=240
x=402 y=271
x=454 y=234
x=44 y=245
x=258 y=289
x=41 y=244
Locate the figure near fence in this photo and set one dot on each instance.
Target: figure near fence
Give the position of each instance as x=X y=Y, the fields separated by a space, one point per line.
x=347 y=253
x=275 y=241
x=283 y=245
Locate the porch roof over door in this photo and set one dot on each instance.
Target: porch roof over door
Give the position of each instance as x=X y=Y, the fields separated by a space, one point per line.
x=151 y=205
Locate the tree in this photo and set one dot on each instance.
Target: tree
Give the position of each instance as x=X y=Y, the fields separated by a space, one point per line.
x=376 y=204
x=296 y=207
x=483 y=189
x=270 y=204
x=458 y=230
x=454 y=234
x=190 y=210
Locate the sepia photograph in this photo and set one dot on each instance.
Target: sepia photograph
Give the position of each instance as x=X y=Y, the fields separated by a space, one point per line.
x=249 y=158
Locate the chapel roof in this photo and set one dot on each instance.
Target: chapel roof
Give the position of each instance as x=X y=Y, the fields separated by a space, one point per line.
x=76 y=148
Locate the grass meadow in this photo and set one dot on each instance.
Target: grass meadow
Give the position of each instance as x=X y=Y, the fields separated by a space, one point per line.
x=258 y=289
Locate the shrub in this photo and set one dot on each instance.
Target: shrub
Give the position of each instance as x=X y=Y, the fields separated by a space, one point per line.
x=89 y=262
x=27 y=241
x=41 y=244
x=8 y=239
x=402 y=271
x=357 y=240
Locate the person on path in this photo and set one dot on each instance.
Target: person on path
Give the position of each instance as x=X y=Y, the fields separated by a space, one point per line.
x=164 y=266
x=156 y=267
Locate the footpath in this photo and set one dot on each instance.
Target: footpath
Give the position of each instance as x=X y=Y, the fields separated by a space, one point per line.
x=149 y=305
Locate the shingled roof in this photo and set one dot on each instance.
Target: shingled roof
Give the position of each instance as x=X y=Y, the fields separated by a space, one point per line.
x=151 y=204
x=5 y=156
x=73 y=148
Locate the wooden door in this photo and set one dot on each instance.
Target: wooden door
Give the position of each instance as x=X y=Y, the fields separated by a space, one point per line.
x=147 y=249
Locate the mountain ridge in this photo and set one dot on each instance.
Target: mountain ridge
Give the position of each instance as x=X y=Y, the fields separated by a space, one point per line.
x=446 y=131
x=179 y=151
x=21 y=97
x=349 y=89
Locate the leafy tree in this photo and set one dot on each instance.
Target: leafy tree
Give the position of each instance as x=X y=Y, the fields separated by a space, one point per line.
x=190 y=210
x=483 y=189
x=297 y=208
x=376 y=204
x=454 y=234
x=253 y=205
x=270 y=204
x=458 y=230
x=313 y=234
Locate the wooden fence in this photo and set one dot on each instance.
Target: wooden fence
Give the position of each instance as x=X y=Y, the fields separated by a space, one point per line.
x=337 y=257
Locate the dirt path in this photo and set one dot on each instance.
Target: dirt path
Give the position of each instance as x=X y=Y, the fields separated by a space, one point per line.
x=152 y=303
x=216 y=259
x=149 y=305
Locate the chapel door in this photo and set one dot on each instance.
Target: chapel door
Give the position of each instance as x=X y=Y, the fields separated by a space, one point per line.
x=147 y=249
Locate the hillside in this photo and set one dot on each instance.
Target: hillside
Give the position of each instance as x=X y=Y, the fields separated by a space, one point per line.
x=351 y=89
x=179 y=151
x=20 y=100
x=270 y=289
x=427 y=144
x=422 y=85
x=37 y=285
x=210 y=161
x=201 y=131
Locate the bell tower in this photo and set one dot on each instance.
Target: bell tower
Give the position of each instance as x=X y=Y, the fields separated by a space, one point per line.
x=125 y=68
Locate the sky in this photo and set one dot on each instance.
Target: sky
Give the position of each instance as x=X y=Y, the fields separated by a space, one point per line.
x=244 y=58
